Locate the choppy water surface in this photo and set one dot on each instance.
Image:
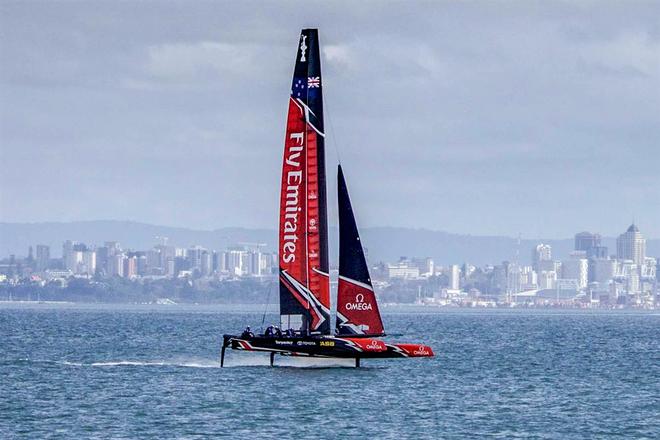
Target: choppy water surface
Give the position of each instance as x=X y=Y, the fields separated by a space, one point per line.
x=153 y=372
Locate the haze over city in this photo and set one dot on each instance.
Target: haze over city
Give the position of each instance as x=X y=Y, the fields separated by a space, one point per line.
x=539 y=119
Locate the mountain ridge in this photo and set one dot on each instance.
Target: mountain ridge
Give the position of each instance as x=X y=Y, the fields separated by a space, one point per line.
x=383 y=243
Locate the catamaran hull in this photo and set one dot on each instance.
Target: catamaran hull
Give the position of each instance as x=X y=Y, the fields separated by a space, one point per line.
x=326 y=346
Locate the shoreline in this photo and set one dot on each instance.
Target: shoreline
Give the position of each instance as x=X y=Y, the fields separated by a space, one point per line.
x=272 y=309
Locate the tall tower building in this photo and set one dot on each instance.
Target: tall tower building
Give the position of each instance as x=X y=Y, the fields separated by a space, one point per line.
x=542 y=252
x=454 y=275
x=631 y=246
x=43 y=257
x=590 y=244
x=584 y=241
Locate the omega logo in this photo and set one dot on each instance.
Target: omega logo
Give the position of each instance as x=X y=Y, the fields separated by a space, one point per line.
x=359 y=304
x=374 y=345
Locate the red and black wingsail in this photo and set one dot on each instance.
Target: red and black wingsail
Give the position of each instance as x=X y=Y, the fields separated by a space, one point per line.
x=303 y=235
x=357 y=309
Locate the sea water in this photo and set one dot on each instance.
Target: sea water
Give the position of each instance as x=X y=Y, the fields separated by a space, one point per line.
x=70 y=371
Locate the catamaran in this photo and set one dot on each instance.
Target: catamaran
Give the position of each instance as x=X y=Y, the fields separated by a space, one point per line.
x=304 y=282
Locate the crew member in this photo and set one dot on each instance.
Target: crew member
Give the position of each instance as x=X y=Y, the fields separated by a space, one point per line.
x=269 y=331
x=247 y=333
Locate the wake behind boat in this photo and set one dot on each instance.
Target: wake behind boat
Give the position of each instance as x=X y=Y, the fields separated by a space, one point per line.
x=305 y=328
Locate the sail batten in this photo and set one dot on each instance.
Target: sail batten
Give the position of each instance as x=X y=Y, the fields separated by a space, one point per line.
x=303 y=249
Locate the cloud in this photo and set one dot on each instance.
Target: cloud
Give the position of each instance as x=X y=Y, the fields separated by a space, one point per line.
x=630 y=52
x=445 y=114
x=188 y=62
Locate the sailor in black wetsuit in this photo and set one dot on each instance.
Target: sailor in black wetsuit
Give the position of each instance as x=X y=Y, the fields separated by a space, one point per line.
x=247 y=333
x=269 y=333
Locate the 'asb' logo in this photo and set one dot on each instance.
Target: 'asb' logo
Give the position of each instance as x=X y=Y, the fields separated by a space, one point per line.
x=359 y=303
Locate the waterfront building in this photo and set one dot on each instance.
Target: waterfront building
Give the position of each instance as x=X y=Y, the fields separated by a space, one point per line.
x=546 y=279
x=631 y=245
x=402 y=270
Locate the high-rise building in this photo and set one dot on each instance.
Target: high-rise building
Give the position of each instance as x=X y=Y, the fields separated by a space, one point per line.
x=88 y=263
x=67 y=250
x=194 y=255
x=425 y=265
x=43 y=257
x=602 y=270
x=142 y=266
x=206 y=263
x=116 y=265
x=102 y=261
x=454 y=275
x=154 y=261
x=547 y=279
x=528 y=278
x=540 y=253
x=631 y=245
x=72 y=260
x=576 y=269
x=114 y=247
x=131 y=267
x=584 y=241
x=236 y=259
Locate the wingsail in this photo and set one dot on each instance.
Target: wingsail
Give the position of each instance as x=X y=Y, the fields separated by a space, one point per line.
x=357 y=309
x=303 y=235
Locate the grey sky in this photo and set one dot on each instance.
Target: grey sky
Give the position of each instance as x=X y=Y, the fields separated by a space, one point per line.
x=473 y=117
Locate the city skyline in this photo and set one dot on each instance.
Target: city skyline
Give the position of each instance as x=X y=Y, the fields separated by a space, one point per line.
x=588 y=276
x=157 y=124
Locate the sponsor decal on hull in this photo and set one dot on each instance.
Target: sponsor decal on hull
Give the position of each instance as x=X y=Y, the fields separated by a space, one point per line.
x=367 y=345
x=414 y=350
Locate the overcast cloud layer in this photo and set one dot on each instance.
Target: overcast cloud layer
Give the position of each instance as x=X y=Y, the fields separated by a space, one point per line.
x=471 y=117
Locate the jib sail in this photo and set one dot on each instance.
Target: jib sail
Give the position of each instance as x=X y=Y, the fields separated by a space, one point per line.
x=303 y=235
x=357 y=309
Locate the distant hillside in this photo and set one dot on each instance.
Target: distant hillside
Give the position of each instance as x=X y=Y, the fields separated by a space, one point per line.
x=383 y=243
